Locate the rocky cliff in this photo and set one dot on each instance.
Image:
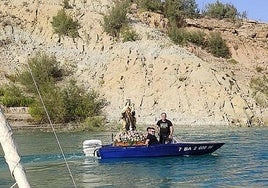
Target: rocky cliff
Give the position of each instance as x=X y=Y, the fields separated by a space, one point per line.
x=193 y=87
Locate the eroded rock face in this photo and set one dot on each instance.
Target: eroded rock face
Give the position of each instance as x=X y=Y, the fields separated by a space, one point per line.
x=153 y=72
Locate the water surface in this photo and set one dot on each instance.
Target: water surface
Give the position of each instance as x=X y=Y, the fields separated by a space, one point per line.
x=241 y=162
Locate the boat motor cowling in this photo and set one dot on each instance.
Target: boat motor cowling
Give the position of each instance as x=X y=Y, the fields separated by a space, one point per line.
x=90 y=147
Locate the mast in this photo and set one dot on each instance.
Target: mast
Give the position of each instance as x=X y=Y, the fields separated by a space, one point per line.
x=11 y=153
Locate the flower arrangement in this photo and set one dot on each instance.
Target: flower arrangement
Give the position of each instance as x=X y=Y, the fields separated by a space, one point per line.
x=129 y=138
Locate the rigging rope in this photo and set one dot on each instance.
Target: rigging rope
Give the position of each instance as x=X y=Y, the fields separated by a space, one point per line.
x=50 y=122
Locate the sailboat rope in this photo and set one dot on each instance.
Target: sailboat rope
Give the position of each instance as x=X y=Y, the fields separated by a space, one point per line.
x=50 y=122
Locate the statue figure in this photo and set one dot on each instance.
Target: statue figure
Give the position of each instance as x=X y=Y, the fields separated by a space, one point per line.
x=129 y=135
x=128 y=116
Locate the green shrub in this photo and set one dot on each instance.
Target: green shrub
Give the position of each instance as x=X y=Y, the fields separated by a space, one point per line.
x=260 y=90
x=116 y=19
x=221 y=11
x=177 y=35
x=10 y=101
x=70 y=104
x=129 y=35
x=63 y=24
x=181 y=36
x=189 y=8
x=261 y=99
x=177 y=10
x=196 y=37
x=178 y=21
x=260 y=85
x=53 y=100
x=217 y=46
x=45 y=70
x=2 y=91
x=181 y=8
x=93 y=123
x=12 y=96
x=150 y=5
x=80 y=104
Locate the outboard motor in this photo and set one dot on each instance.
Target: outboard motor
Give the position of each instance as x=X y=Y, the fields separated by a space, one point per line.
x=90 y=147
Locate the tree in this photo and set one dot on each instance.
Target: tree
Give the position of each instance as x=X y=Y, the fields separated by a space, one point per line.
x=184 y=8
x=221 y=11
x=70 y=104
x=80 y=104
x=150 y=5
x=45 y=70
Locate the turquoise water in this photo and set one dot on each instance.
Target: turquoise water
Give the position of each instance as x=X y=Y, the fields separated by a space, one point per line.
x=241 y=162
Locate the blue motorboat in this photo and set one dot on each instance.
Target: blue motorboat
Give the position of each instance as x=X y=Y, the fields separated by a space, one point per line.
x=177 y=148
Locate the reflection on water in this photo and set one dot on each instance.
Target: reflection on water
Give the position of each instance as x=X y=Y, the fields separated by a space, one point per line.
x=148 y=172
x=241 y=162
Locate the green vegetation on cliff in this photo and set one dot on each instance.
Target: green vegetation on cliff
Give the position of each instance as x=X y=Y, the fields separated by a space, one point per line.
x=260 y=90
x=222 y=11
x=116 y=22
x=12 y=96
x=71 y=103
x=217 y=46
x=116 y=19
x=63 y=24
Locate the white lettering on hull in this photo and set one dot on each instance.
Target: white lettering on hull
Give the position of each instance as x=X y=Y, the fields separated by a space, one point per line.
x=189 y=148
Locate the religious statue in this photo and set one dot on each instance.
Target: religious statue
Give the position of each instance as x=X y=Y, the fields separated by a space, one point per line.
x=128 y=116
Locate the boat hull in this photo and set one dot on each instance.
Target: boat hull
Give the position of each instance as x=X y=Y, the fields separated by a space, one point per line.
x=159 y=150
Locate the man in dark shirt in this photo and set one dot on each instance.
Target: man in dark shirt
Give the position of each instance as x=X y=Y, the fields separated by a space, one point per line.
x=165 y=129
x=151 y=138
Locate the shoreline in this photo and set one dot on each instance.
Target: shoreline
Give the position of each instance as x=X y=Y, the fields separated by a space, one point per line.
x=22 y=125
x=20 y=119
